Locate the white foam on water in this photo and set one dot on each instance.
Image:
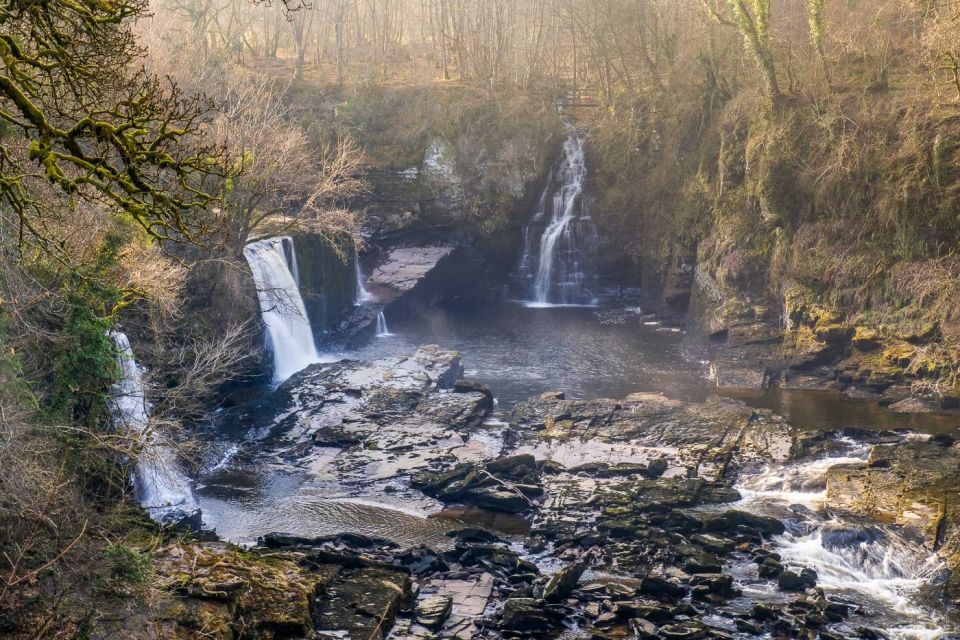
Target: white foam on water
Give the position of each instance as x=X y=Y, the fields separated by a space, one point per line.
x=881 y=565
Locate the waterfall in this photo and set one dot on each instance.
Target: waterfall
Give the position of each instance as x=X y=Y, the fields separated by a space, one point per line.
x=281 y=306
x=363 y=296
x=556 y=267
x=158 y=478
x=382 y=329
x=290 y=253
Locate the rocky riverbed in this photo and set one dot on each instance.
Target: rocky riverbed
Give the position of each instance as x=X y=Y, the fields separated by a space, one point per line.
x=644 y=517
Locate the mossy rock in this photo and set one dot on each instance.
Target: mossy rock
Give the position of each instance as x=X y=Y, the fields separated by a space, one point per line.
x=866 y=339
x=834 y=332
x=922 y=333
x=899 y=355
x=253 y=594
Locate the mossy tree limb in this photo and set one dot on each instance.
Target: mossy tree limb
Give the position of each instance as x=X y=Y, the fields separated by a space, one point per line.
x=81 y=117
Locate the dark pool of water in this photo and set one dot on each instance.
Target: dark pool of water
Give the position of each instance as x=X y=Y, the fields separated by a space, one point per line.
x=519 y=351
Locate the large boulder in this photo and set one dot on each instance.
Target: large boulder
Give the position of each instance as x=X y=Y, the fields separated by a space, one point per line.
x=507 y=484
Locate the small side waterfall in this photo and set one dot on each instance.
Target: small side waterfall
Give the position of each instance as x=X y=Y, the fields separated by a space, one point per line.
x=281 y=306
x=556 y=267
x=382 y=329
x=290 y=253
x=161 y=485
x=363 y=296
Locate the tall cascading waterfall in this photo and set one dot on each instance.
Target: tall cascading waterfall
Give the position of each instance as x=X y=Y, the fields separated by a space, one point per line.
x=556 y=266
x=160 y=482
x=281 y=306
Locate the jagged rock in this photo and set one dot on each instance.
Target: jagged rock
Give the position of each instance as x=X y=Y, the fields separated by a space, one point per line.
x=708 y=440
x=658 y=587
x=471 y=386
x=715 y=583
x=683 y=631
x=563 y=582
x=763 y=612
x=792 y=581
x=770 y=568
x=527 y=614
x=433 y=611
x=657 y=468
x=279 y=540
x=405 y=267
x=363 y=603
x=421 y=561
x=730 y=521
x=913 y=485
x=473 y=534
x=496 y=499
x=513 y=466
x=643 y=629
x=745 y=626
x=507 y=484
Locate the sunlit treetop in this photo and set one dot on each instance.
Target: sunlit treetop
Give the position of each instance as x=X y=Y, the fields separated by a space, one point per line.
x=78 y=112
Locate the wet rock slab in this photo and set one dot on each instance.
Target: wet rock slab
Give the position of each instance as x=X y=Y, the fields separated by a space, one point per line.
x=709 y=440
x=379 y=419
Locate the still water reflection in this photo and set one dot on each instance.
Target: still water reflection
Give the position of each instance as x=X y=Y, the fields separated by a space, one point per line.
x=520 y=351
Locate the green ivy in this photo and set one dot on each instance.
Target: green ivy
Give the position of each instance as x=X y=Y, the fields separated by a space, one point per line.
x=84 y=364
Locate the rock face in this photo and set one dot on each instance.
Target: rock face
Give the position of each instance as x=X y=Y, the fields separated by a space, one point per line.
x=327 y=283
x=404 y=268
x=913 y=484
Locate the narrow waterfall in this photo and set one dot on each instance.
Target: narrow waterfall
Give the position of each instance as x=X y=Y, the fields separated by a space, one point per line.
x=160 y=482
x=555 y=268
x=290 y=253
x=281 y=306
x=382 y=329
x=363 y=296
